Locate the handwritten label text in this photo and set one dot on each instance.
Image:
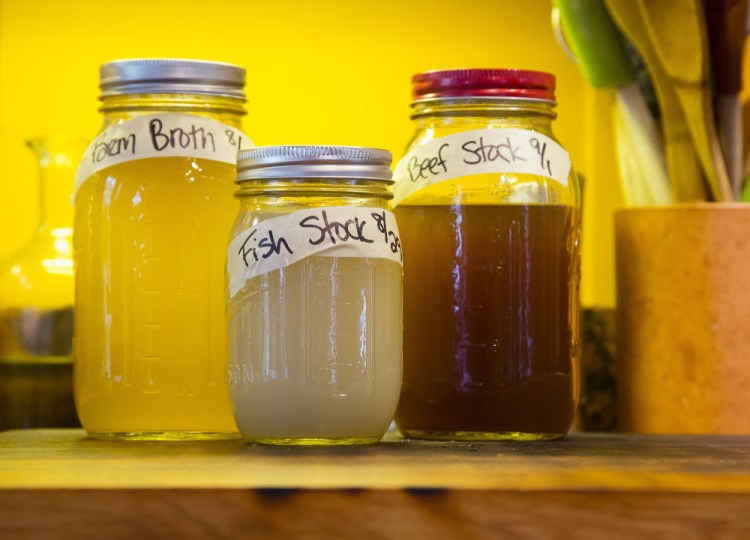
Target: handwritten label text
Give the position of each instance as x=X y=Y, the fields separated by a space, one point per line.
x=161 y=135
x=482 y=151
x=333 y=231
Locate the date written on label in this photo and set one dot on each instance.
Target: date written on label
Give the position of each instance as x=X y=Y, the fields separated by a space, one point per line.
x=319 y=230
x=161 y=137
x=482 y=151
x=474 y=152
x=335 y=231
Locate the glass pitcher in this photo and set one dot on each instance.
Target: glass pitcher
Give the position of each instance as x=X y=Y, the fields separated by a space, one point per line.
x=36 y=302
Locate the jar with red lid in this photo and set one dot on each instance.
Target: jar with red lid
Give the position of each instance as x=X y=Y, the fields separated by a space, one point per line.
x=488 y=205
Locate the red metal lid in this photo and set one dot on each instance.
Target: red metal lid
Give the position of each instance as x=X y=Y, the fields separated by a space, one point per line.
x=454 y=83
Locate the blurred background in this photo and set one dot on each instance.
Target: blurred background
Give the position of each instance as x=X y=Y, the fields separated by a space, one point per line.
x=323 y=72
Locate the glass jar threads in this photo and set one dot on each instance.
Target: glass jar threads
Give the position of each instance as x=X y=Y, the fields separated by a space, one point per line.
x=153 y=206
x=314 y=296
x=488 y=205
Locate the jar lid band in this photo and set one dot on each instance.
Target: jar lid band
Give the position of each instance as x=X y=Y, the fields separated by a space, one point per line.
x=171 y=76
x=492 y=83
x=267 y=162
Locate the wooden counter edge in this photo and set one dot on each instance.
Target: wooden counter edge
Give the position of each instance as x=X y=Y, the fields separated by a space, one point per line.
x=368 y=513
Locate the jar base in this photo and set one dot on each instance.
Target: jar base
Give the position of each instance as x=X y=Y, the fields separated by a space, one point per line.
x=166 y=436
x=313 y=441
x=448 y=435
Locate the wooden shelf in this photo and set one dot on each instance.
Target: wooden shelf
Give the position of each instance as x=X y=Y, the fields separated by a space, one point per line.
x=585 y=486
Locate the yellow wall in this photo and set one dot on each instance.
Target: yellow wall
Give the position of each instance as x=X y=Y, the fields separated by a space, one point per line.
x=331 y=72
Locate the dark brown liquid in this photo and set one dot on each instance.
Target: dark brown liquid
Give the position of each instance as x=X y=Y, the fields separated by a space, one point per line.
x=36 y=370
x=36 y=394
x=490 y=320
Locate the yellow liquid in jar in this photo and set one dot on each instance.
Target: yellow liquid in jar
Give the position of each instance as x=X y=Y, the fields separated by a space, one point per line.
x=150 y=334
x=316 y=352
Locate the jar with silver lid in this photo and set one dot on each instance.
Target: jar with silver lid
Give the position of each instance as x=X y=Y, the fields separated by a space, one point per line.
x=153 y=206
x=314 y=296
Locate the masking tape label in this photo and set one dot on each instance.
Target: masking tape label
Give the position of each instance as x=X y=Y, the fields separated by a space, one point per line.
x=333 y=231
x=481 y=151
x=161 y=135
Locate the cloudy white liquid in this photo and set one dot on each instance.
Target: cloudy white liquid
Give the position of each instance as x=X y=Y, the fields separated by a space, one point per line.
x=315 y=351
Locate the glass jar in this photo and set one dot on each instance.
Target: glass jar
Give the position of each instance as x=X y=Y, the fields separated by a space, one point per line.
x=36 y=302
x=314 y=296
x=153 y=207
x=489 y=207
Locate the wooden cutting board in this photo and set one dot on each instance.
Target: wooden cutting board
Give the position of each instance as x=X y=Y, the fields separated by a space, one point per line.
x=585 y=486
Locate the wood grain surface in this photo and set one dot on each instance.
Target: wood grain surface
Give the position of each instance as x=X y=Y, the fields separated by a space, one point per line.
x=61 y=484
x=376 y=514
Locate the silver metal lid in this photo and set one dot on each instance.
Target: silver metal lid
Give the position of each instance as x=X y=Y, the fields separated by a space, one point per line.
x=267 y=162
x=171 y=76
